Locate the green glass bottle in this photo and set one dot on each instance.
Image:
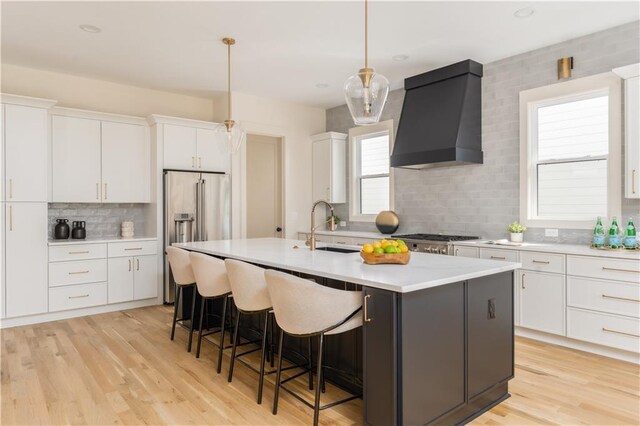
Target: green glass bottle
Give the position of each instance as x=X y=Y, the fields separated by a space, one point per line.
x=630 y=239
x=614 y=234
x=598 y=234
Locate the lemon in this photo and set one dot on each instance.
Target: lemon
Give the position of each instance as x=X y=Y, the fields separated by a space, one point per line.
x=403 y=248
x=377 y=245
x=384 y=244
x=394 y=243
x=367 y=248
x=378 y=250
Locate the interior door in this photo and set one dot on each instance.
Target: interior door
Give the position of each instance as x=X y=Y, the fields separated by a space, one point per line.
x=126 y=162
x=264 y=187
x=145 y=277
x=120 y=284
x=212 y=152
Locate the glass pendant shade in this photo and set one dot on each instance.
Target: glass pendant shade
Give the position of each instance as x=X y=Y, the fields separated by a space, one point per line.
x=234 y=135
x=366 y=93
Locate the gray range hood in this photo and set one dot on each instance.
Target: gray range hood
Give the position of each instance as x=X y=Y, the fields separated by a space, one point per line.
x=440 y=123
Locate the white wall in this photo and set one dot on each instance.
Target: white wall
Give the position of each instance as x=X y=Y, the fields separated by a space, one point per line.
x=98 y=95
x=295 y=124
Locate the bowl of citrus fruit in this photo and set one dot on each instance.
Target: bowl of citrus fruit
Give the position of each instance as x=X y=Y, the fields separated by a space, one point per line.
x=385 y=251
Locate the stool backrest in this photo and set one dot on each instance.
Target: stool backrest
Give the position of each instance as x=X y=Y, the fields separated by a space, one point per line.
x=211 y=275
x=180 y=266
x=248 y=286
x=304 y=307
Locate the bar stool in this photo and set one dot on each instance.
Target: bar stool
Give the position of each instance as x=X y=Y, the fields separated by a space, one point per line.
x=212 y=283
x=180 y=265
x=304 y=309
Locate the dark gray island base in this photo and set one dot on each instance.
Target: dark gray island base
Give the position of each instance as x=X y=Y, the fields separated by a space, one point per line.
x=439 y=355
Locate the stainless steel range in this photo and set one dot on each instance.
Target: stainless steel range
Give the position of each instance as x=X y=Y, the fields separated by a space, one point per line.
x=433 y=243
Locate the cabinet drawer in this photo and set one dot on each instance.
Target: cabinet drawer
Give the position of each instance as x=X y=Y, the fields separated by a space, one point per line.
x=77 y=252
x=77 y=296
x=499 y=254
x=609 y=269
x=604 y=329
x=463 y=251
x=337 y=239
x=81 y=271
x=544 y=262
x=132 y=248
x=604 y=296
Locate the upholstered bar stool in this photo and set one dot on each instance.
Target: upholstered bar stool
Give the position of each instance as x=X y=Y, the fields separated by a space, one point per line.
x=212 y=283
x=180 y=265
x=303 y=309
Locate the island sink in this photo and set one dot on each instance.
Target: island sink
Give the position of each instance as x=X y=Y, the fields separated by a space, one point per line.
x=337 y=249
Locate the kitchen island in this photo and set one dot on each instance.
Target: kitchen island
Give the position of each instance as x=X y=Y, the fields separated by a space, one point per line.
x=437 y=340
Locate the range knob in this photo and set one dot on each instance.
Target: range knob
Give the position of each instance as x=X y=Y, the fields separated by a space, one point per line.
x=443 y=250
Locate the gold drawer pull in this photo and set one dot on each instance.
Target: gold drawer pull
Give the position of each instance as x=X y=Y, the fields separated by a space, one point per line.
x=78 y=297
x=133 y=248
x=606 y=296
x=544 y=262
x=78 y=272
x=606 y=330
x=604 y=268
x=366 y=308
x=79 y=252
x=341 y=242
x=499 y=257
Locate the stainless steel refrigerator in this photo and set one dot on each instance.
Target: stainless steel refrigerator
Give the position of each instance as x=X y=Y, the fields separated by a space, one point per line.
x=197 y=207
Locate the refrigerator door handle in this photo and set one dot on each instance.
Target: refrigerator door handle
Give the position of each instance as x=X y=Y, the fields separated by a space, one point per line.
x=198 y=214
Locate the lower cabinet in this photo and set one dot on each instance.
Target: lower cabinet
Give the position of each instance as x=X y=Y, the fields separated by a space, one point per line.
x=132 y=278
x=542 y=301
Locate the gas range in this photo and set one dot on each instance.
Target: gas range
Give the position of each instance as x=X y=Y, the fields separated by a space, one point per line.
x=433 y=243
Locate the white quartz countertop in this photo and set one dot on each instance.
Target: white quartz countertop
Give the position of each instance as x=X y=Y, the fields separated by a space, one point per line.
x=574 y=249
x=423 y=271
x=99 y=240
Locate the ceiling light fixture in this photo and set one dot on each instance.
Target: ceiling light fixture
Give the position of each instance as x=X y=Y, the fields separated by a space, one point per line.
x=322 y=85
x=366 y=92
x=400 y=58
x=232 y=130
x=90 y=29
x=525 y=12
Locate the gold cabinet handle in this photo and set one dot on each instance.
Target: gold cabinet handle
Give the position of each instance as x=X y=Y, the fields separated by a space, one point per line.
x=133 y=248
x=129 y=265
x=78 y=297
x=97 y=190
x=544 y=262
x=137 y=264
x=79 y=252
x=366 y=308
x=105 y=191
x=604 y=268
x=200 y=162
x=10 y=189
x=457 y=251
x=607 y=330
x=78 y=272
x=498 y=257
x=633 y=181
x=606 y=296
x=10 y=218
x=193 y=162
x=522 y=282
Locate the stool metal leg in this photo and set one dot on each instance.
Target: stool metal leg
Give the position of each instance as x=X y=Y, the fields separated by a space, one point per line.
x=175 y=311
x=193 y=312
x=310 y=358
x=222 y=320
x=202 y=304
x=278 y=374
x=233 y=348
x=316 y=408
x=272 y=340
x=264 y=351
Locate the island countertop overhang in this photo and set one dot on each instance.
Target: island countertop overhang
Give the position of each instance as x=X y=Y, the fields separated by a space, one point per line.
x=423 y=271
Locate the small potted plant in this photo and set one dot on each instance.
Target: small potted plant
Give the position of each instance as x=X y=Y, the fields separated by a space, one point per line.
x=517 y=231
x=332 y=222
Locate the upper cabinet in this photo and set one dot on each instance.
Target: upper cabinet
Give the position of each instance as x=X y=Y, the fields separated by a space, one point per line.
x=25 y=162
x=96 y=159
x=329 y=166
x=631 y=76
x=191 y=145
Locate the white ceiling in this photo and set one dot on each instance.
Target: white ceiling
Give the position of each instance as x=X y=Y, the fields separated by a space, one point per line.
x=284 y=48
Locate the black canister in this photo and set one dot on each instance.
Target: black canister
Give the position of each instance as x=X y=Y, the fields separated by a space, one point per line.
x=79 y=231
x=61 y=230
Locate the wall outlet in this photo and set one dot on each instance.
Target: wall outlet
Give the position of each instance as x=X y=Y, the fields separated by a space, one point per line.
x=343 y=223
x=551 y=233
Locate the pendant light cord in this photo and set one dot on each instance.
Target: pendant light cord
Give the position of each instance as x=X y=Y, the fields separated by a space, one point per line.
x=229 y=81
x=366 y=33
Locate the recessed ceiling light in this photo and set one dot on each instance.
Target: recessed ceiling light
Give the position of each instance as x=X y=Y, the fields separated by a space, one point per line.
x=322 y=85
x=90 y=29
x=400 y=57
x=525 y=12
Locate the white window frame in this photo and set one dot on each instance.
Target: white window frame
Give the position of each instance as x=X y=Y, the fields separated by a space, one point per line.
x=355 y=135
x=606 y=83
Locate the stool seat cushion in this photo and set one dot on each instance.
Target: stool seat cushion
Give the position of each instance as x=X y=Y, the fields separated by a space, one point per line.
x=180 y=266
x=248 y=286
x=304 y=307
x=211 y=275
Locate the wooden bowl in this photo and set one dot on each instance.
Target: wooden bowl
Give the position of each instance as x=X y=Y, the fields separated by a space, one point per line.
x=387 y=258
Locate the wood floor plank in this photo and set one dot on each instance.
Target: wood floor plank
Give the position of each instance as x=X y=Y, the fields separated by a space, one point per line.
x=121 y=368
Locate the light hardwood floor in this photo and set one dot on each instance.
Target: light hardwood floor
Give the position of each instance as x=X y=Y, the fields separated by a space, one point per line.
x=121 y=368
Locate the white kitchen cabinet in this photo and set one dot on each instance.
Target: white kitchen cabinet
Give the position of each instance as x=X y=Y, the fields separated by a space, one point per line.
x=631 y=75
x=132 y=278
x=145 y=277
x=329 y=167
x=26 y=287
x=212 y=152
x=542 y=301
x=180 y=147
x=126 y=163
x=75 y=160
x=463 y=251
x=190 y=147
x=26 y=159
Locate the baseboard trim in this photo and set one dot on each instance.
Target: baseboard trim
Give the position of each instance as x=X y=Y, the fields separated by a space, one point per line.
x=578 y=345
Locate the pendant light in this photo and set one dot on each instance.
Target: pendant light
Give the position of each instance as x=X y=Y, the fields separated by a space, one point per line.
x=232 y=130
x=366 y=92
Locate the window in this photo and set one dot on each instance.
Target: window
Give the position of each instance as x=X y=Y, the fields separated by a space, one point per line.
x=570 y=152
x=371 y=178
